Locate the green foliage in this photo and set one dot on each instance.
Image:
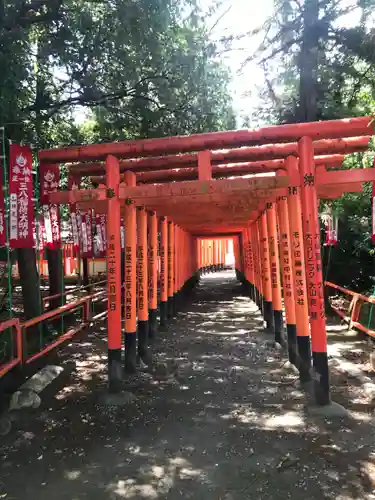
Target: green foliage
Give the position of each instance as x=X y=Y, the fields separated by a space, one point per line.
x=140 y=68
x=317 y=68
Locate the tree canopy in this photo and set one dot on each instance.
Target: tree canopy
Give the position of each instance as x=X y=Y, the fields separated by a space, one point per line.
x=140 y=68
x=316 y=66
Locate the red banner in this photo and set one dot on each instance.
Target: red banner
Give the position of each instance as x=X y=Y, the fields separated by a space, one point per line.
x=49 y=177
x=21 y=204
x=373 y=210
x=3 y=233
x=41 y=233
x=86 y=228
x=100 y=237
x=73 y=183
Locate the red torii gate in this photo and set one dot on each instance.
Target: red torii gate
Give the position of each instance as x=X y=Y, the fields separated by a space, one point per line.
x=247 y=207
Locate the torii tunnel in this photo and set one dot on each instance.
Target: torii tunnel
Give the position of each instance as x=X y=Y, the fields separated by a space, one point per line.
x=182 y=198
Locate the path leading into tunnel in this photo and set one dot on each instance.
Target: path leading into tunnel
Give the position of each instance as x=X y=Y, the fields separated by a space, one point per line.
x=231 y=424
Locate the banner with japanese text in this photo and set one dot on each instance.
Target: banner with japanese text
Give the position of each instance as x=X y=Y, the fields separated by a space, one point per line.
x=49 y=176
x=41 y=233
x=73 y=183
x=100 y=236
x=3 y=233
x=21 y=204
x=87 y=239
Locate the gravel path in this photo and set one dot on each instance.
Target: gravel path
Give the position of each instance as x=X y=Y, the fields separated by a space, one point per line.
x=232 y=423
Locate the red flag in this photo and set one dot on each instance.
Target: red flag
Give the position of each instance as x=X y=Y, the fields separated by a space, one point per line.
x=49 y=177
x=103 y=225
x=100 y=237
x=373 y=210
x=21 y=213
x=86 y=228
x=73 y=183
x=41 y=233
x=3 y=234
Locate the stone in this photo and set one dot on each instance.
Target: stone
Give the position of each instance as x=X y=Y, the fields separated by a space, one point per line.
x=24 y=398
x=38 y=382
x=5 y=425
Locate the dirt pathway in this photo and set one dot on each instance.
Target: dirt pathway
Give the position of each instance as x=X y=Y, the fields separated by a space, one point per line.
x=232 y=425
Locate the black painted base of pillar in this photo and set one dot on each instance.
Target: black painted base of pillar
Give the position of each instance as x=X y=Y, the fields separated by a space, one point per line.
x=170 y=308
x=163 y=307
x=114 y=370
x=260 y=303
x=130 y=352
x=321 y=378
x=252 y=292
x=143 y=350
x=152 y=324
x=241 y=277
x=279 y=326
x=176 y=302
x=259 y=300
x=304 y=359
x=291 y=331
x=268 y=316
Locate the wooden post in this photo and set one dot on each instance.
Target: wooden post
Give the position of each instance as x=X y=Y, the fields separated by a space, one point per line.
x=314 y=270
x=286 y=266
x=237 y=263
x=214 y=254
x=275 y=273
x=152 y=275
x=200 y=255
x=142 y=281
x=130 y=280
x=204 y=166
x=260 y=265
x=298 y=271
x=114 y=275
x=164 y=281
x=250 y=252
x=266 y=275
x=252 y=229
x=176 y=267
x=170 y=269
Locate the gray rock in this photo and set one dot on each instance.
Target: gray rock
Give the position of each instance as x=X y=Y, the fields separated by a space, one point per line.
x=5 y=425
x=24 y=398
x=42 y=378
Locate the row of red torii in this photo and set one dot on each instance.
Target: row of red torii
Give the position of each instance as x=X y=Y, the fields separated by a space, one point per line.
x=262 y=191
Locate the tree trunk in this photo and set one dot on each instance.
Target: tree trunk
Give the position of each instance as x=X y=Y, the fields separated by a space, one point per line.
x=55 y=277
x=308 y=63
x=85 y=272
x=29 y=278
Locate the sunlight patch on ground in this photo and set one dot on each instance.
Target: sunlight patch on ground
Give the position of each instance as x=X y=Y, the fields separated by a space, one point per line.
x=285 y=421
x=156 y=481
x=72 y=475
x=288 y=421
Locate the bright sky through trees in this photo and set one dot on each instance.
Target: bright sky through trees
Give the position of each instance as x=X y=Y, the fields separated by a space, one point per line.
x=240 y=17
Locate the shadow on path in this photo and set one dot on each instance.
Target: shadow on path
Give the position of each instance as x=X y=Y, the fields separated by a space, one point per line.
x=231 y=425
